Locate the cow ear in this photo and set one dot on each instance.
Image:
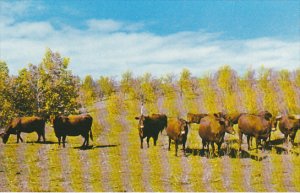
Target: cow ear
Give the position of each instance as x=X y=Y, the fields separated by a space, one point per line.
x=216 y=115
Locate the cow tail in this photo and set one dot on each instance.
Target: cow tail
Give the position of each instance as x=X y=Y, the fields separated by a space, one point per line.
x=91 y=135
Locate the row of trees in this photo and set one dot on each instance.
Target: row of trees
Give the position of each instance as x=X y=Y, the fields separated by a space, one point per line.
x=50 y=88
x=224 y=90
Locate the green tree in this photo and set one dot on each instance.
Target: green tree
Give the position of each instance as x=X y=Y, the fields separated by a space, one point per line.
x=58 y=86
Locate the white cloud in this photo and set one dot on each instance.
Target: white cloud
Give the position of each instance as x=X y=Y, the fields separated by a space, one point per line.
x=109 y=47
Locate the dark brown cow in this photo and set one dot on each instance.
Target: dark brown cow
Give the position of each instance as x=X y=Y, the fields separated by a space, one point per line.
x=26 y=125
x=73 y=125
x=258 y=126
x=288 y=125
x=212 y=129
x=177 y=130
x=150 y=126
x=195 y=118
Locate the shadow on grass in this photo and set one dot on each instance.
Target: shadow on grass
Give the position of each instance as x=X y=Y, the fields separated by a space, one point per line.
x=232 y=153
x=41 y=142
x=95 y=147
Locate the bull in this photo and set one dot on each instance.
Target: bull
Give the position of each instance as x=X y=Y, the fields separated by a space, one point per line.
x=177 y=130
x=212 y=130
x=73 y=125
x=288 y=125
x=150 y=126
x=26 y=125
x=257 y=126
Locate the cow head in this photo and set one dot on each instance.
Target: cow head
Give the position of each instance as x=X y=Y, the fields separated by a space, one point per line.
x=184 y=128
x=4 y=134
x=225 y=123
x=141 y=124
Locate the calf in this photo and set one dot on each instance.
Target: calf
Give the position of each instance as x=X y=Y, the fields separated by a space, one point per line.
x=73 y=125
x=26 y=125
x=212 y=129
x=177 y=130
x=150 y=126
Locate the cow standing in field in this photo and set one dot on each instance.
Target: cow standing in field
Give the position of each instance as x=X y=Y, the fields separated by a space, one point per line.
x=26 y=125
x=177 y=130
x=212 y=129
x=73 y=125
x=150 y=126
x=258 y=126
x=195 y=118
x=288 y=125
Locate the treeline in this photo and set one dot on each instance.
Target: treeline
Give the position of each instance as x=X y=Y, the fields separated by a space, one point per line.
x=50 y=88
x=224 y=90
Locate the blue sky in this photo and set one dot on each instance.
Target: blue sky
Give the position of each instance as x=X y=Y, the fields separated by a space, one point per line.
x=110 y=37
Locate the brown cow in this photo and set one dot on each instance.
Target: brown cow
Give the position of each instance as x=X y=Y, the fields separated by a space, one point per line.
x=26 y=125
x=177 y=130
x=73 y=125
x=288 y=125
x=212 y=129
x=150 y=126
x=195 y=118
x=258 y=126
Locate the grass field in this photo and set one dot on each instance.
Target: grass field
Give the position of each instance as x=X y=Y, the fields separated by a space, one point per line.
x=115 y=162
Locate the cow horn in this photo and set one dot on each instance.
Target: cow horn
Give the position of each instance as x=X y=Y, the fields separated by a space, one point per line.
x=278 y=117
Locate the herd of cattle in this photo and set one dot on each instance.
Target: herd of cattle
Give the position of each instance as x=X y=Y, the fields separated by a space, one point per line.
x=212 y=127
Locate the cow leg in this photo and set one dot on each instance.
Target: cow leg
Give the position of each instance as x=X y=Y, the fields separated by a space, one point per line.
x=141 y=142
x=59 y=138
x=213 y=148
x=169 y=144
x=249 y=139
x=39 y=137
x=257 y=141
x=64 y=140
x=155 y=139
x=219 y=148
x=176 y=147
x=19 y=137
x=148 y=139
x=240 y=139
x=43 y=135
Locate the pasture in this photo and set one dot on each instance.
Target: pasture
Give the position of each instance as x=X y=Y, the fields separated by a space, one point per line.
x=115 y=162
